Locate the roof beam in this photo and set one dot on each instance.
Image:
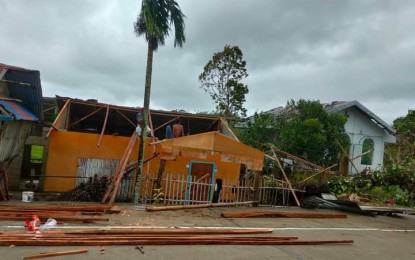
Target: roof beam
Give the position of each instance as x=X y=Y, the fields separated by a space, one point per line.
x=58 y=118
x=103 y=126
x=85 y=117
x=126 y=118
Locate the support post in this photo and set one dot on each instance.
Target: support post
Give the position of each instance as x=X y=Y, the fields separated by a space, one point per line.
x=256 y=188
x=160 y=173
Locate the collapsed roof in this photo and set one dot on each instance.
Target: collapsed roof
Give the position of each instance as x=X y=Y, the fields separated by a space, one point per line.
x=90 y=116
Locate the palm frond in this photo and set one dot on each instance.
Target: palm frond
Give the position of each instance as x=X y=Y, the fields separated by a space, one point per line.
x=155 y=21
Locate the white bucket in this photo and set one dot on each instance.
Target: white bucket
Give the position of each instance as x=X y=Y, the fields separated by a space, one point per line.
x=27 y=196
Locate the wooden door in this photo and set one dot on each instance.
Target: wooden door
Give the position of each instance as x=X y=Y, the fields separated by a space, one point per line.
x=201 y=177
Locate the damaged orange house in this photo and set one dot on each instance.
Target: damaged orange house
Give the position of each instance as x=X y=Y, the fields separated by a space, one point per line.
x=89 y=138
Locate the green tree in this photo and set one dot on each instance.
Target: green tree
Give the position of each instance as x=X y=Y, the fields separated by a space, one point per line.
x=307 y=130
x=155 y=23
x=399 y=167
x=405 y=146
x=221 y=79
x=260 y=130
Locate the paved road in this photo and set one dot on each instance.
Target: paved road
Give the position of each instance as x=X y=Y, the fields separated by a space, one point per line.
x=378 y=237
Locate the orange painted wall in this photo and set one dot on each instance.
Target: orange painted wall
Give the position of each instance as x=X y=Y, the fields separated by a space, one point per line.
x=66 y=147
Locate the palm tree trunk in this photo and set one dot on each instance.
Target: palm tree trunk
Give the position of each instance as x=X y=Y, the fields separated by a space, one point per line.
x=141 y=149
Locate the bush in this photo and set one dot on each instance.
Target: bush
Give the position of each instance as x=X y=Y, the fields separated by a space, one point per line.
x=380 y=186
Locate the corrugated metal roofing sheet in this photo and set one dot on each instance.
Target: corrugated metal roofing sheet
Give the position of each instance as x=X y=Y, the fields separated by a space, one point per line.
x=6 y=66
x=18 y=110
x=31 y=96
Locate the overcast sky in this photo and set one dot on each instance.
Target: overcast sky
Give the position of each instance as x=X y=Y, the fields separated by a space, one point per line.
x=320 y=50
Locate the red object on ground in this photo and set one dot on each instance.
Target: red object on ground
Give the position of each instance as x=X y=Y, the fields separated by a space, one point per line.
x=32 y=225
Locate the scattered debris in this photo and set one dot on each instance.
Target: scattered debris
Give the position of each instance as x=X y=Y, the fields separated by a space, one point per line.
x=387 y=210
x=352 y=206
x=343 y=205
x=357 y=198
x=140 y=248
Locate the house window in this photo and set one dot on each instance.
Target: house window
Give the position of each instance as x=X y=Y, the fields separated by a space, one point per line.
x=368 y=145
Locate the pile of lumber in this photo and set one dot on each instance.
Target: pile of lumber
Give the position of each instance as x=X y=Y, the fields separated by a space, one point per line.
x=91 y=190
x=156 y=236
x=73 y=213
x=279 y=214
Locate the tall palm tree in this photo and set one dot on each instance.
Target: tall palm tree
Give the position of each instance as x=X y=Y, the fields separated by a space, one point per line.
x=155 y=23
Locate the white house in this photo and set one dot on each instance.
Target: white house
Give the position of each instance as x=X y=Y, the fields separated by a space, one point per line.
x=366 y=132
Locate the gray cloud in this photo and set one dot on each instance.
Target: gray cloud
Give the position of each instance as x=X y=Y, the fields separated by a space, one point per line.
x=323 y=49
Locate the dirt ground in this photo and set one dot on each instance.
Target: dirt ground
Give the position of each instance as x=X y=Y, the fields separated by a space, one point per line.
x=380 y=237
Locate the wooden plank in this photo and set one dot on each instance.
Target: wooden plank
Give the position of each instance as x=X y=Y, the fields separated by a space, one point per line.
x=92 y=207
x=58 y=117
x=83 y=118
x=286 y=179
x=118 y=173
x=317 y=173
x=198 y=206
x=153 y=238
x=50 y=214
x=279 y=214
x=50 y=254
x=298 y=159
x=225 y=123
x=166 y=123
x=126 y=118
x=103 y=126
x=122 y=166
x=59 y=219
x=216 y=241
x=347 y=156
x=170 y=231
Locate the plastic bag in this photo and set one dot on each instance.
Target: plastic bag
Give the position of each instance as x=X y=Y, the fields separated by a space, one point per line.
x=48 y=224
